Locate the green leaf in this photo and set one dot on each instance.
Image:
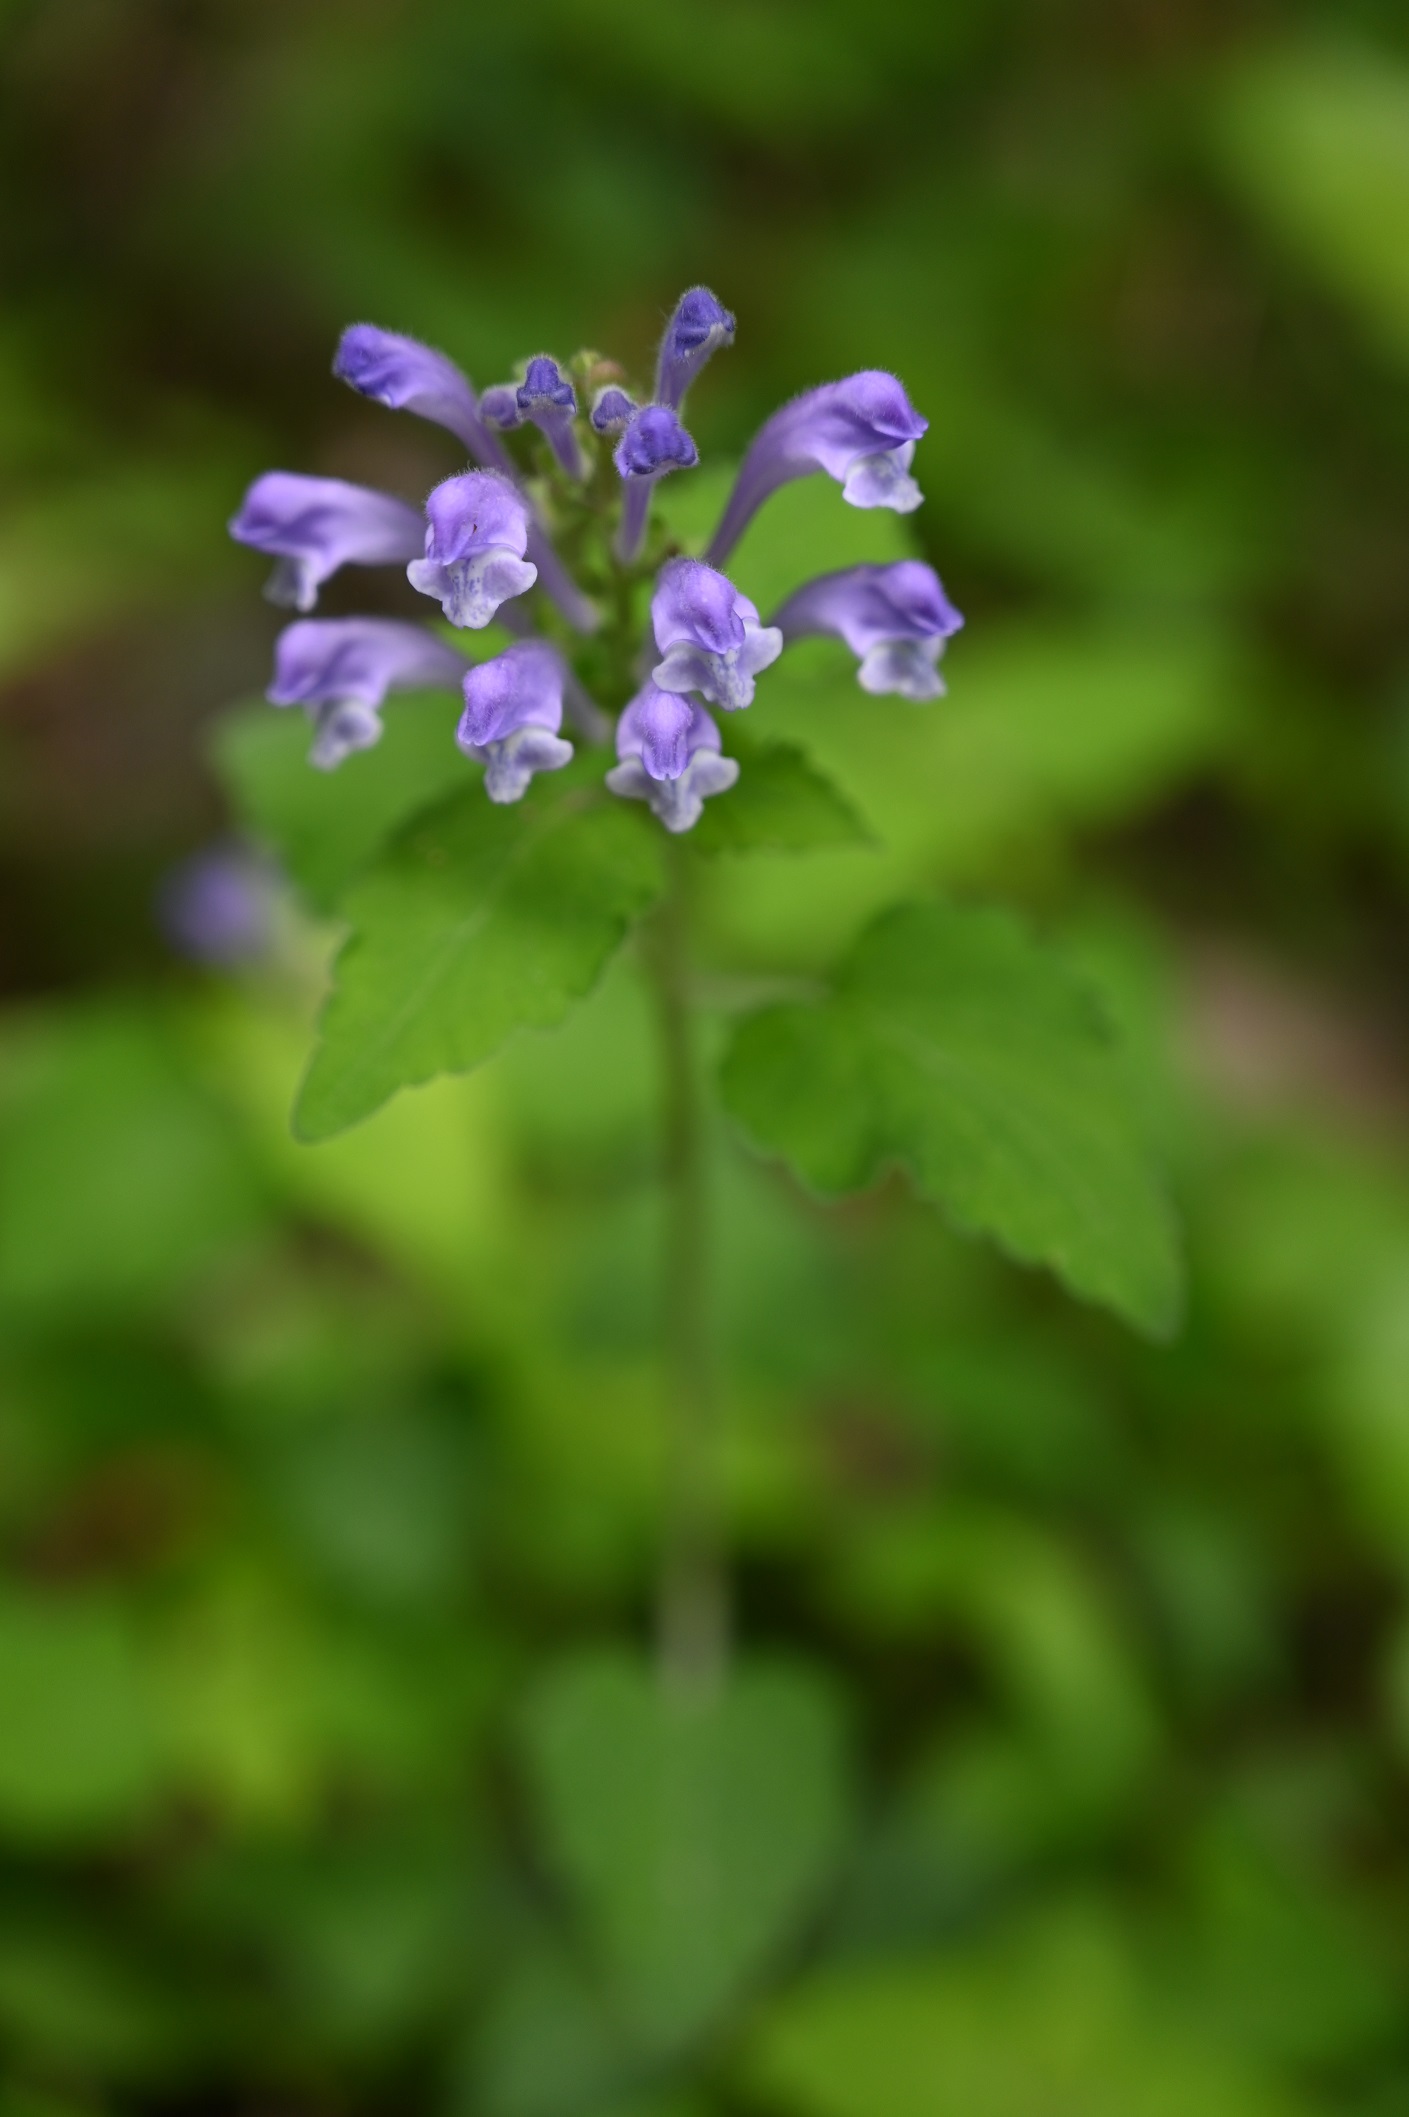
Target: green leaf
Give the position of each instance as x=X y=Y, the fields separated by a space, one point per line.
x=325 y=826
x=476 y=921
x=696 y=1835
x=955 y=1046
x=781 y=804
x=1046 y=2019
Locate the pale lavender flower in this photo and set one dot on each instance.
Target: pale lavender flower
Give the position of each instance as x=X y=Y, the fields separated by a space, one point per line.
x=547 y=398
x=312 y=526
x=699 y=326
x=861 y=431
x=653 y=443
x=612 y=410
x=475 y=544
x=669 y=751
x=341 y=669
x=513 y=711
x=408 y=376
x=216 y=907
x=708 y=635
x=894 y=618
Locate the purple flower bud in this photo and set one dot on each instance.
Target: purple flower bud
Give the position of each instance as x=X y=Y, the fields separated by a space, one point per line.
x=547 y=398
x=475 y=544
x=612 y=410
x=500 y=406
x=314 y=525
x=653 y=443
x=215 y=907
x=895 y=619
x=513 y=711
x=861 y=431
x=411 y=377
x=700 y=325
x=669 y=751
x=709 y=635
x=341 y=669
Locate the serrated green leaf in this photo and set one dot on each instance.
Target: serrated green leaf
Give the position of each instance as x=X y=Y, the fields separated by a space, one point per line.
x=781 y=804
x=695 y=1834
x=955 y=1046
x=325 y=826
x=476 y=921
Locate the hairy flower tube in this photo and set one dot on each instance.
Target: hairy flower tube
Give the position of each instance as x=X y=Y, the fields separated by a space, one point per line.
x=895 y=619
x=557 y=542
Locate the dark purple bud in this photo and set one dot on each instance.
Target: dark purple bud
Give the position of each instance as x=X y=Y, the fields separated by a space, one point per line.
x=547 y=398
x=341 y=669
x=655 y=442
x=500 y=406
x=216 y=907
x=513 y=711
x=312 y=526
x=700 y=325
x=475 y=544
x=861 y=431
x=709 y=635
x=895 y=619
x=669 y=752
x=612 y=410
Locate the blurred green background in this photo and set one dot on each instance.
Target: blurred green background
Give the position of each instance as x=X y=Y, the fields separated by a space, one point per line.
x=1067 y=1774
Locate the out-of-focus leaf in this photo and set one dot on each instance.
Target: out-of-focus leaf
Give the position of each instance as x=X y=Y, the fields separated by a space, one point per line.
x=477 y=921
x=954 y=1046
x=697 y=1834
x=325 y=826
x=550 y=2046
x=118 y=1178
x=1318 y=139
x=77 y=1748
x=75 y=1999
x=1043 y=2019
x=780 y=803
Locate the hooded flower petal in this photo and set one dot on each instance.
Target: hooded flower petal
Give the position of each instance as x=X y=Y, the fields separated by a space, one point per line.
x=895 y=619
x=861 y=431
x=700 y=325
x=312 y=526
x=341 y=669
x=513 y=711
x=478 y=532
x=669 y=751
x=709 y=635
x=547 y=398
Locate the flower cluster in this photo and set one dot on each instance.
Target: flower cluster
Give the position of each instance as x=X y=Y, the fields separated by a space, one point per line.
x=489 y=534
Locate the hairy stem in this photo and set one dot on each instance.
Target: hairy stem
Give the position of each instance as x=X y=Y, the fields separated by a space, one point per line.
x=693 y=1615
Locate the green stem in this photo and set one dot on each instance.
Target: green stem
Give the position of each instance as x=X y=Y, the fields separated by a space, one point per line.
x=693 y=1614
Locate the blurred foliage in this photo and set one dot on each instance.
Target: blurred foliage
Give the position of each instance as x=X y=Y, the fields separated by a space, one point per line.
x=1065 y=1763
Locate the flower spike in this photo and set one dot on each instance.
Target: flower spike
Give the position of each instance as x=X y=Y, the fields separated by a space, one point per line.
x=669 y=751
x=341 y=669
x=861 y=431
x=709 y=635
x=312 y=526
x=895 y=619
x=700 y=325
x=513 y=711
x=475 y=546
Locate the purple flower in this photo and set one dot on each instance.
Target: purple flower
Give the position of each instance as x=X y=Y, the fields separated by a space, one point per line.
x=861 y=431
x=669 y=751
x=700 y=325
x=411 y=377
x=653 y=443
x=341 y=669
x=547 y=398
x=314 y=525
x=895 y=619
x=475 y=546
x=709 y=635
x=612 y=410
x=500 y=406
x=513 y=710
x=215 y=907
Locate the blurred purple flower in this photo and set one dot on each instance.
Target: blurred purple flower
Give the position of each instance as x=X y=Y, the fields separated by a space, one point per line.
x=341 y=669
x=669 y=751
x=894 y=618
x=709 y=635
x=513 y=711
x=312 y=526
x=216 y=907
